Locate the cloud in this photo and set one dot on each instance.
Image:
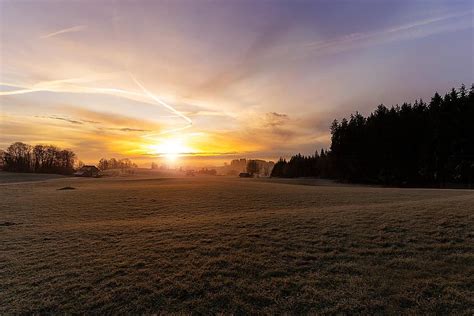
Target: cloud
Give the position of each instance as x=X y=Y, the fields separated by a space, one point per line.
x=252 y=60
x=248 y=76
x=68 y=119
x=112 y=119
x=90 y=121
x=73 y=85
x=128 y=129
x=76 y=28
x=275 y=119
x=54 y=117
x=419 y=29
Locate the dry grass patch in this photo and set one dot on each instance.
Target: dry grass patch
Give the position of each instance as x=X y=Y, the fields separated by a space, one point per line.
x=211 y=245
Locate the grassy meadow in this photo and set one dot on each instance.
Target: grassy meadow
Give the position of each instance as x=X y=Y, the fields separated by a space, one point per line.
x=230 y=245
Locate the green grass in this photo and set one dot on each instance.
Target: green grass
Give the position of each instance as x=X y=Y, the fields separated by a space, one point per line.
x=211 y=245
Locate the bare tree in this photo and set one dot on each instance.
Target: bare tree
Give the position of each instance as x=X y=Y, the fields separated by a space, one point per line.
x=21 y=157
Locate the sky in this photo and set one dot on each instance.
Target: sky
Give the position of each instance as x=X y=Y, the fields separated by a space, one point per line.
x=210 y=81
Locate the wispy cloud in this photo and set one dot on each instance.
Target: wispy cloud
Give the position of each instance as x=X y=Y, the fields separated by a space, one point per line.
x=418 y=29
x=273 y=119
x=81 y=121
x=128 y=129
x=76 y=28
x=60 y=118
x=68 y=119
x=252 y=59
x=71 y=86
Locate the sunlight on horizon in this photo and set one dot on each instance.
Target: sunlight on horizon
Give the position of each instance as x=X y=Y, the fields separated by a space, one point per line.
x=171 y=148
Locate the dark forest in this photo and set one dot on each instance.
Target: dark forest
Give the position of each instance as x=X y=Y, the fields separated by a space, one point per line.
x=428 y=144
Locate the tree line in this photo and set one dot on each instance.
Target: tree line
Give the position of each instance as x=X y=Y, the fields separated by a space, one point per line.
x=317 y=165
x=412 y=144
x=21 y=157
x=112 y=163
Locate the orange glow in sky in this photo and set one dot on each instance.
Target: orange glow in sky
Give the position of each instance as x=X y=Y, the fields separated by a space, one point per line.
x=201 y=80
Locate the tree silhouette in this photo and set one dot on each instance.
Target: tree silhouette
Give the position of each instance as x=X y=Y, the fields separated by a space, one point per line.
x=113 y=163
x=21 y=157
x=412 y=144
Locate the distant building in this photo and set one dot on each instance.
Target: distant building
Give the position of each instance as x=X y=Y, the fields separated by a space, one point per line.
x=87 y=171
x=239 y=165
x=265 y=167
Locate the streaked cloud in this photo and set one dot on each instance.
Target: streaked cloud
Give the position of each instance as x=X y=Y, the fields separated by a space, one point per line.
x=65 y=119
x=72 y=29
x=413 y=30
x=275 y=119
x=128 y=129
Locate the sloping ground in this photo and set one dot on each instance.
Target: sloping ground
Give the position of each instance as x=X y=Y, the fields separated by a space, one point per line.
x=234 y=245
x=16 y=177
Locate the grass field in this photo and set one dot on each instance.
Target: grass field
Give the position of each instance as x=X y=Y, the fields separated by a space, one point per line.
x=14 y=177
x=217 y=244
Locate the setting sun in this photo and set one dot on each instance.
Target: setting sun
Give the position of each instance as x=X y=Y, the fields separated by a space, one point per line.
x=170 y=148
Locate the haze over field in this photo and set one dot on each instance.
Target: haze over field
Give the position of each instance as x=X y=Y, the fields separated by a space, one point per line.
x=238 y=79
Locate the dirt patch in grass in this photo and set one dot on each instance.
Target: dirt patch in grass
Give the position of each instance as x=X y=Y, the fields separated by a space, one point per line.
x=67 y=188
x=7 y=224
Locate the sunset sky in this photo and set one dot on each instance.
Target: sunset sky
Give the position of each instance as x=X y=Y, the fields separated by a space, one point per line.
x=216 y=80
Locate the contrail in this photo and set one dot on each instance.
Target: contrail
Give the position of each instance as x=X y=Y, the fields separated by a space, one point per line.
x=173 y=110
x=58 y=86
x=76 y=28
